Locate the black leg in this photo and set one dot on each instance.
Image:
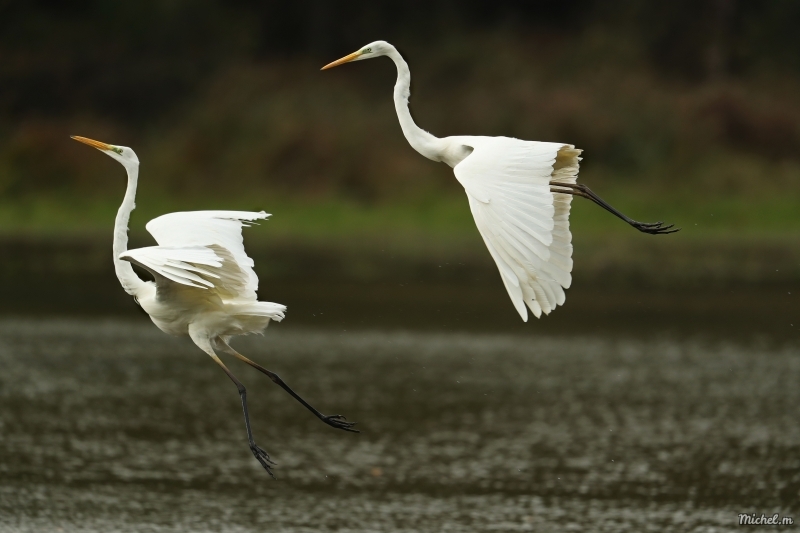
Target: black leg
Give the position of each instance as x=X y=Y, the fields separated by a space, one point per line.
x=260 y=454
x=335 y=421
x=653 y=228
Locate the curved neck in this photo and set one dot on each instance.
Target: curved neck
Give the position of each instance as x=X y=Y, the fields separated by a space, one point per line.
x=419 y=139
x=127 y=277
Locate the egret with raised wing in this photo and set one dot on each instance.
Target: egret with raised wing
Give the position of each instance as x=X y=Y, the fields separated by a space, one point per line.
x=204 y=287
x=519 y=193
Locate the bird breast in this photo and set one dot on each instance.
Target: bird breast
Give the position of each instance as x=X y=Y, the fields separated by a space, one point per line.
x=173 y=311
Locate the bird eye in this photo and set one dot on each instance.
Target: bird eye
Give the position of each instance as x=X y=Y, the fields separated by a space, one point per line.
x=117 y=150
x=367 y=50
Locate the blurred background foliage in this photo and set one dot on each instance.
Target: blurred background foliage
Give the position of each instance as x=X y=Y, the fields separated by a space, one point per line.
x=686 y=111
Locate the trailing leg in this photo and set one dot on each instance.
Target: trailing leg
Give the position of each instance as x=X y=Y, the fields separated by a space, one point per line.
x=335 y=421
x=653 y=228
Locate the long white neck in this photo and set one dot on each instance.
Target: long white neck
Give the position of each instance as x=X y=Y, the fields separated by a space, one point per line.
x=419 y=139
x=127 y=277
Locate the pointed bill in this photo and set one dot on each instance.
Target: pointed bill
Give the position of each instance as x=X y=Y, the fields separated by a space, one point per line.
x=93 y=143
x=345 y=59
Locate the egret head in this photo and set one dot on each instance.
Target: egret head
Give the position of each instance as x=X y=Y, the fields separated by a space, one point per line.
x=123 y=154
x=376 y=49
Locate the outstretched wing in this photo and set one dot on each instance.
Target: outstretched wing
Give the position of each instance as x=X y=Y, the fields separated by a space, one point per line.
x=201 y=267
x=524 y=225
x=220 y=231
x=189 y=265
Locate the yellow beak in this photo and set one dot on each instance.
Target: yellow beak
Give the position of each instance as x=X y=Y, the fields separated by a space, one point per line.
x=91 y=142
x=345 y=59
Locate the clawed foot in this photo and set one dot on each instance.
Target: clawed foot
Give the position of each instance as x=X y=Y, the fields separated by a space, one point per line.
x=654 y=228
x=578 y=189
x=339 y=422
x=263 y=457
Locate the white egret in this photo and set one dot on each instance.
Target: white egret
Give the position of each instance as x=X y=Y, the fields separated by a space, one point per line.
x=205 y=286
x=519 y=193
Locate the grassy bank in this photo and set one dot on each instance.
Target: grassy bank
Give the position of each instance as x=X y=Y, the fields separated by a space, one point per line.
x=442 y=218
x=723 y=241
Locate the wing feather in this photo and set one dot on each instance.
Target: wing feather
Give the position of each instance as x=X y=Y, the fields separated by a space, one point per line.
x=221 y=232
x=524 y=225
x=178 y=264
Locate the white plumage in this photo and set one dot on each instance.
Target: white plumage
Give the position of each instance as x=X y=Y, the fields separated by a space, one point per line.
x=205 y=286
x=211 y=228
x=188 y=265
x=201 y=271
x=519 y=192
x=525 y=226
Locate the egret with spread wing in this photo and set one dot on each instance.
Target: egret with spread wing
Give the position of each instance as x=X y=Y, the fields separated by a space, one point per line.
x=519 y=193
x=204 y=287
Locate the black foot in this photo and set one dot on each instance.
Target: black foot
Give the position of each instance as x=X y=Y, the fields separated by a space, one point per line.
x=263 y=457
x=654 y=228
x=340 y=422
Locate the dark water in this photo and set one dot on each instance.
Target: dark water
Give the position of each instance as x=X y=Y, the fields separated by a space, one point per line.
x=366 y=287
x=111 y=425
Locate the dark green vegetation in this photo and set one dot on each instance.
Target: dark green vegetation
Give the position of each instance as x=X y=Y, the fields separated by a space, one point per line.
x=687 y=111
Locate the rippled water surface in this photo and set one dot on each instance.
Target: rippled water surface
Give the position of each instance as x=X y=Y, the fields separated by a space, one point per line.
x=114 y=426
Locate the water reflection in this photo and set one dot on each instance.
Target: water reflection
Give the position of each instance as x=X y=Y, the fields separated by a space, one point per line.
x=112 y=425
